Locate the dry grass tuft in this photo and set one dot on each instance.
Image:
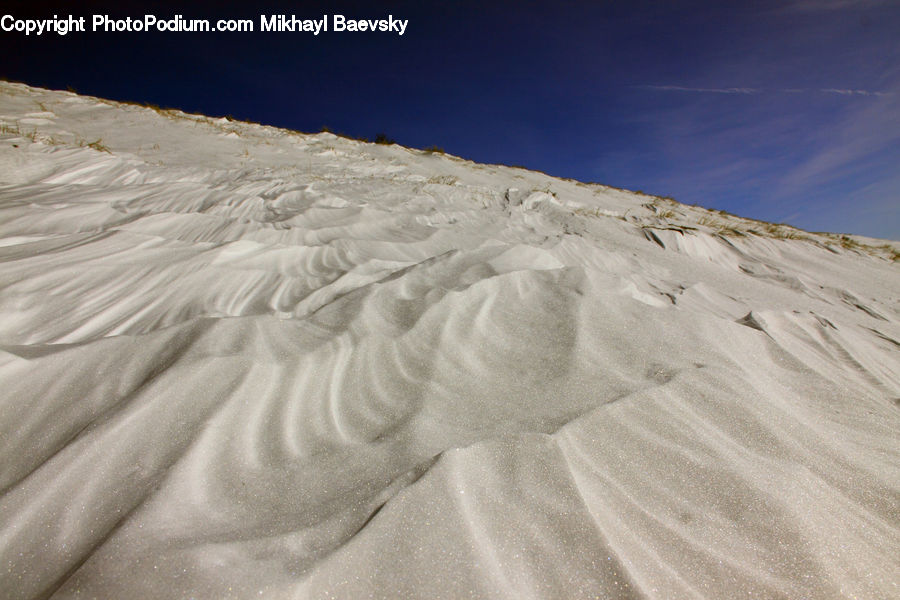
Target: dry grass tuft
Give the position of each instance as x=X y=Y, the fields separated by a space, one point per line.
x=442 y=179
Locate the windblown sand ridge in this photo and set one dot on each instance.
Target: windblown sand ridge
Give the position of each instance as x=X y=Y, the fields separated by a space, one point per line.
x=240 y=361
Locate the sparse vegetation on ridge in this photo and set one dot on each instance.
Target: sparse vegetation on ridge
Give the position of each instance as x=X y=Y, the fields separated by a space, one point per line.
x=326 y=129
x=382 y=138
x=95 y=145
x=443 y=179
x=724 y=223
x=665 y=209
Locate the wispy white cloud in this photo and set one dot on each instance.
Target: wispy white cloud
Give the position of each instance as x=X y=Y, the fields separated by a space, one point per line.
x=678 y=88
x=830 y=5
x=862 y=135
x=854 y=92
x=803 y=155
x=780 y=126
x=749 y=90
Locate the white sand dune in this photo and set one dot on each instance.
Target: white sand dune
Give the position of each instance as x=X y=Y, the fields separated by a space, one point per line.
x=239 y=362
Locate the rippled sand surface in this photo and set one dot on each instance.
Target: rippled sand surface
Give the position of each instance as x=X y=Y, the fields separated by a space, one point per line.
x=243 y=362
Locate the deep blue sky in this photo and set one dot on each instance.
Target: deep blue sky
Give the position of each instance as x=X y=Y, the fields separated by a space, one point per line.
x=784 y=111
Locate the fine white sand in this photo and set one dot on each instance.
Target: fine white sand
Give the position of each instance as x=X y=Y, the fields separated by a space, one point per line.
x=239 y=362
